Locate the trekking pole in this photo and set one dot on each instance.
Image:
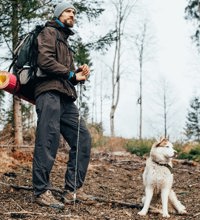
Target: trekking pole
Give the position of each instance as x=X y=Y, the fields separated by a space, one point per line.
x=78 y=138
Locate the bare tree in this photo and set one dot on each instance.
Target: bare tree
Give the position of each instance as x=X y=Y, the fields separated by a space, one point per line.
x=168 y=103
x=123 y=10
x=142 y=43
x=165 y=106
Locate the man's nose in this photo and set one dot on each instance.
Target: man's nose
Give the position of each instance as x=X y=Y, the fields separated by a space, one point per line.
x=72 y=13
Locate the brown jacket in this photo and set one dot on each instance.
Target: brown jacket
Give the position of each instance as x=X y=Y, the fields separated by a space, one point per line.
x=55 y=61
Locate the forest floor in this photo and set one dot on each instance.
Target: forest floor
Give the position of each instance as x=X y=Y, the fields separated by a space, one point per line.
x=115 y=177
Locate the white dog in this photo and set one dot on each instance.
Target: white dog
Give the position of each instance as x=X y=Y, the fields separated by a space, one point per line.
x=158 y=178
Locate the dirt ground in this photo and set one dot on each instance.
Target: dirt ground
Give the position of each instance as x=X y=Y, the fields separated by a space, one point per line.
x=115 y=177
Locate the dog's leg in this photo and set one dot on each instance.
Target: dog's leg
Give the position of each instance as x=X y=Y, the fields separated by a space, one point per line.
x=164 y=198
x=143 y=200
x=176 y=203
x=148 y=197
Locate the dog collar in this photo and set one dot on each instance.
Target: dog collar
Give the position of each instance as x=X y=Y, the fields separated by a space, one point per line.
x=165 y=165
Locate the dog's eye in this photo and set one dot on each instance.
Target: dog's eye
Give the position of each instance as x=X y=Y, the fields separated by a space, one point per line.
x=167 y=146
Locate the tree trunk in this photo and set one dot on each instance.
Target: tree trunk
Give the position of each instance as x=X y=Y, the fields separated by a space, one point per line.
x=165 y=114
x=113 y=107
x=116 y=69
x=17 y=121
x=141 y=102
x=140 y=41
x=17 y=115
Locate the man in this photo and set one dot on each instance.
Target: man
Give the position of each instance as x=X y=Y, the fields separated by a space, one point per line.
x=55 y=95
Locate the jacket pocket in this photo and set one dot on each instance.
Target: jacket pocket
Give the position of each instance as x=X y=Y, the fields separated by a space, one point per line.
x=71 y=91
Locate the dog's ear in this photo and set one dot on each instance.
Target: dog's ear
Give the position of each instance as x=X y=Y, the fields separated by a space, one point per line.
x=162 y=139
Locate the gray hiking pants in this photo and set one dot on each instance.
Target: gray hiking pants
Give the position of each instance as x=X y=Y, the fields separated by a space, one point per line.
x=58 y=115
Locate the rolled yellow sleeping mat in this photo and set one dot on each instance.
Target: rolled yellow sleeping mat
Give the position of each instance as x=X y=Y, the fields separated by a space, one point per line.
x=9 y=83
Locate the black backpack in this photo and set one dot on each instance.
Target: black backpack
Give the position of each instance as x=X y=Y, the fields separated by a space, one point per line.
x=25 y=62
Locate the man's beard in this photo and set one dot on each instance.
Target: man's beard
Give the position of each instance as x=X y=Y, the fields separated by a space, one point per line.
x=69 y=23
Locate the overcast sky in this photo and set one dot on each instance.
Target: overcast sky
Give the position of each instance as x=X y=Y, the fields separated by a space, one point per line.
x=176 y=59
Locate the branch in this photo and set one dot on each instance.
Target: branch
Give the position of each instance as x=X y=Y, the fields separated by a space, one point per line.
x=118 y=203
x=25 y=214
x=7 y=43
x=195 y=215
x=103 y=42
x=98 y=199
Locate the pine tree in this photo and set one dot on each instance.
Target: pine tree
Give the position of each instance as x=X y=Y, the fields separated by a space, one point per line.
x=193 y=15
x=192 y=130
x=17 y=17
x=82 y=56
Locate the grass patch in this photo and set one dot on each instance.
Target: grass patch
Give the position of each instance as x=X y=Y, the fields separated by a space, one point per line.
x=140 y=148
x=193 y=154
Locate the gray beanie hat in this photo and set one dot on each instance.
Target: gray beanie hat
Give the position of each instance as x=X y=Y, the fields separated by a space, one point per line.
x=60 y=7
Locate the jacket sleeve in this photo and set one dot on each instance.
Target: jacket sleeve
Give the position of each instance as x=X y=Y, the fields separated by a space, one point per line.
x=47 y=58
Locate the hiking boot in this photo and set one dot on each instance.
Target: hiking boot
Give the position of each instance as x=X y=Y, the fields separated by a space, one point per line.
x=68 y=197
x=47 y=199
x=82 y=196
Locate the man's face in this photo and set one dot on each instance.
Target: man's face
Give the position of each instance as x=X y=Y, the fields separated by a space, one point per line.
x=67 y=17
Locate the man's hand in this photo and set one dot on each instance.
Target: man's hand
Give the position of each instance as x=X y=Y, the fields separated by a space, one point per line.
x=83 y=72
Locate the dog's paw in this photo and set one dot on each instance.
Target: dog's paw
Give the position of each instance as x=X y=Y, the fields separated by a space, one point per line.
x=166 y=215
x=182 y=211
x=142 y=213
